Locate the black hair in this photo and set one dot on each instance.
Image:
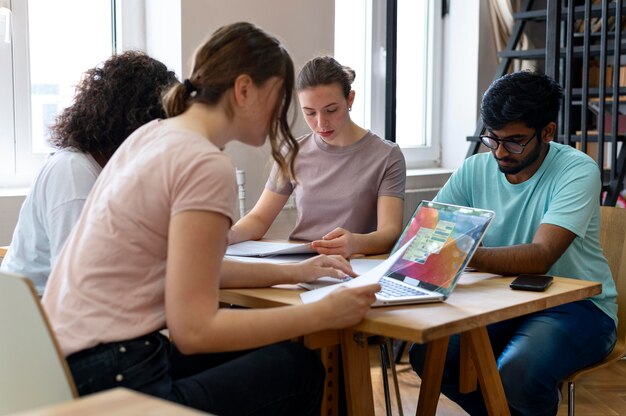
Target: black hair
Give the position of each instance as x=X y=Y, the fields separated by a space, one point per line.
x=112 y=100
x=530 y=97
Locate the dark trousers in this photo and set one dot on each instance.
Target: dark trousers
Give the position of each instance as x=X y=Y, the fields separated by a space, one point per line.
x=280 y=379
x=534 y=353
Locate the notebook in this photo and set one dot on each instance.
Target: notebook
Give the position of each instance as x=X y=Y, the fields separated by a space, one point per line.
x=428 y=258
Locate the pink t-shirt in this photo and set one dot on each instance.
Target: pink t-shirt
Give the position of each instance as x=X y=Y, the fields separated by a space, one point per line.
x=108 y=283
x=340 y=186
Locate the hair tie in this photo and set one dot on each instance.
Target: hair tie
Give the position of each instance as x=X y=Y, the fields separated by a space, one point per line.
x=189 y=88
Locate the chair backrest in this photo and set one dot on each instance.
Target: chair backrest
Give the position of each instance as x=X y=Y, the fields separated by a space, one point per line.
x=33 y=372
x=613 y=241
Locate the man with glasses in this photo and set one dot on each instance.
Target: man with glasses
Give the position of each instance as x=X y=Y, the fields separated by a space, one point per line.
x=546 y=197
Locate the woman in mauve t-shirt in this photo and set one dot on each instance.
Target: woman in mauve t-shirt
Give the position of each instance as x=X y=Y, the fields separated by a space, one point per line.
x=349 y=183
x=147 y=253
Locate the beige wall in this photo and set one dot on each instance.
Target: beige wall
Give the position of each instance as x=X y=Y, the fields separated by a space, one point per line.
x=9 y=211
x=469 y=64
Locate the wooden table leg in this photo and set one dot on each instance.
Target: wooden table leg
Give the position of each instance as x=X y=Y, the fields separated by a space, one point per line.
x=485 y=364
x=431 y=379
x=330 y=359
x=356 y=372
x=468 y=379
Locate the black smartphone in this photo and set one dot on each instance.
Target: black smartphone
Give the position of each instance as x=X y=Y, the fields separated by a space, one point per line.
x=534 y=282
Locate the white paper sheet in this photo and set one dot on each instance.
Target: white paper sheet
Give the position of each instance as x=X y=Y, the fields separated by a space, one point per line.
x=267 y=248
x=288 y=258
x=362 y=266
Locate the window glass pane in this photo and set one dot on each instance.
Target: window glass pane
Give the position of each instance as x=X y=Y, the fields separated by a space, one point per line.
x=352 y=42
x=66 y=37
x=412 y=73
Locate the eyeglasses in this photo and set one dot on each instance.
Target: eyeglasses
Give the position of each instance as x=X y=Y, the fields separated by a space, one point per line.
x=510 y=146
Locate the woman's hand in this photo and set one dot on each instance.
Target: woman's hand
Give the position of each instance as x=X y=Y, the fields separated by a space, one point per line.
x=318 y=266
x=346 y=306
x=338 y=241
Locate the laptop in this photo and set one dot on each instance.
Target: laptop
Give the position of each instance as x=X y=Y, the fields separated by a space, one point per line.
x=435 y=247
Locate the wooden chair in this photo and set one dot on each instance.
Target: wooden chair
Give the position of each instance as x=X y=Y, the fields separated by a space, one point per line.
x=33 y=371
x=613 y=241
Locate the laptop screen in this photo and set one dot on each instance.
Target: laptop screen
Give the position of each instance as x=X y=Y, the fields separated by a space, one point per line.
x=446 y=236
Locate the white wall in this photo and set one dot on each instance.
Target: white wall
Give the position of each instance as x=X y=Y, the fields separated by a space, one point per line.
x=163 y=24
x=469 y=63
x=9 y=210
x=460 y=71
x=488 y=60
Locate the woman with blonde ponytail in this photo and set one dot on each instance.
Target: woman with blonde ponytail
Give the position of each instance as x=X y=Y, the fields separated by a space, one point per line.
x=147 y=252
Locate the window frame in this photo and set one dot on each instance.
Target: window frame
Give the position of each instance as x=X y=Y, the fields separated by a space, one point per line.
x=19 y=162
x=7 y=111
x=374 y=63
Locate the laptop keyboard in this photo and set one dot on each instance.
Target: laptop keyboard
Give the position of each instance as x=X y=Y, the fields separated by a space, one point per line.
x=391 y=288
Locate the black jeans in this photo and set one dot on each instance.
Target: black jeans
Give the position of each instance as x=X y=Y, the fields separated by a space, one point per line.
x=280 y=379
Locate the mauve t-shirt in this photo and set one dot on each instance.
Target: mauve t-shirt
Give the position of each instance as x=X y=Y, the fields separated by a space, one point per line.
x=340 y=186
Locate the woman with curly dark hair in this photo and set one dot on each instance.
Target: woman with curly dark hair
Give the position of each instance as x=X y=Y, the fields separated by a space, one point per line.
x=112 y=100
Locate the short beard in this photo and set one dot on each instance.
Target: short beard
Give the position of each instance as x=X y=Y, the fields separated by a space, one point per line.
x=524 y=163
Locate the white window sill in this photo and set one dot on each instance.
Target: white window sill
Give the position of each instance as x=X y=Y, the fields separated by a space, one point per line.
x=13 y=191
x=427 y=178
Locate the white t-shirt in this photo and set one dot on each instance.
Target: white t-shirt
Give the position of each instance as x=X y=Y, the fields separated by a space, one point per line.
x=109 y=281
x=49 y=213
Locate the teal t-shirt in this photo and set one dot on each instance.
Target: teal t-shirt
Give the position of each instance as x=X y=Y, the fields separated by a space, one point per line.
x=565 y=191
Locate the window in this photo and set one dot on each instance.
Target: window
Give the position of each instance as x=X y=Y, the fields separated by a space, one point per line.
x=361 y=42
x=45 y=47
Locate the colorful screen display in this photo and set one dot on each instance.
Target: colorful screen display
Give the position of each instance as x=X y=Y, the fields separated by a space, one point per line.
x=445 y=238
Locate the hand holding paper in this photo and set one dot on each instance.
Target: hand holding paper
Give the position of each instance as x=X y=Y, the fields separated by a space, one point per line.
x=371 y=277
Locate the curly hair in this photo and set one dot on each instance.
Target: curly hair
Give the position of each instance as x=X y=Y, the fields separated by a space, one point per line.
x=112 y=100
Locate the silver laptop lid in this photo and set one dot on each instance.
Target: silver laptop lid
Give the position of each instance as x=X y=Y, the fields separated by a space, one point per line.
x=446 y=237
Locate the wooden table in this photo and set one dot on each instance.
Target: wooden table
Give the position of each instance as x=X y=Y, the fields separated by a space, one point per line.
x=476 y=302
x=3 y=250
x=119 y=402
